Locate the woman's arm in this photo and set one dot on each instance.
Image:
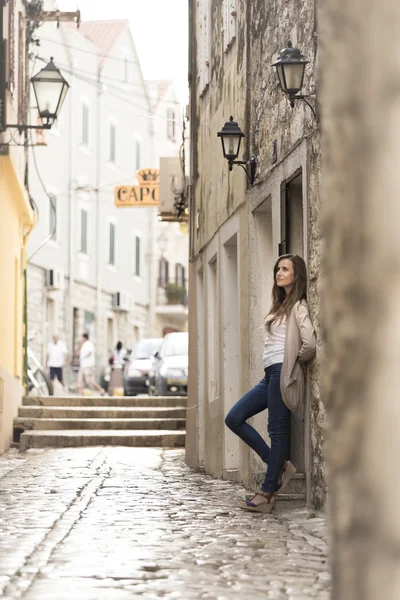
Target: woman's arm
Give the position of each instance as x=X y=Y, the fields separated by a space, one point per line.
x=307 y=333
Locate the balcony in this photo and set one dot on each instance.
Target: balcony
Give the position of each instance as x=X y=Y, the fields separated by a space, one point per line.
x=172 y=302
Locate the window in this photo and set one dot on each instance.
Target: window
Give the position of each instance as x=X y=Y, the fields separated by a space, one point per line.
x=292 y=237
x=204 y=50
x=230 y=15
x=171 y=124
x=85 y=126
x=111 y=246
x=113 y=141
x=163 y=272
x=137 y=256
x=126 y=70
x=53 y=216
x=84 y=231
x=138 y=157
x=180 y=275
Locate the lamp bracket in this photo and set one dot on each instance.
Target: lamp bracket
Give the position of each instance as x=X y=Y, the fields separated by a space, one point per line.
x=251 y=164
x=305 y=98
x=25 y=127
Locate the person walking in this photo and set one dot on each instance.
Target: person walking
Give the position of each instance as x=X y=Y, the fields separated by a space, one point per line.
x=86 y=366
x=117 y=361
x=290 y=342
x=56 y=357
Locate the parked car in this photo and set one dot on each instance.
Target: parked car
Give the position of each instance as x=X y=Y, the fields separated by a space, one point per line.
x=136 y=376
x=169 y=376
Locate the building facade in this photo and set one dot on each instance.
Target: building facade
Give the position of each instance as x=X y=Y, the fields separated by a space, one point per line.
x=17 y=214
x=171 y=238
x=94 y=273
x=237 y=231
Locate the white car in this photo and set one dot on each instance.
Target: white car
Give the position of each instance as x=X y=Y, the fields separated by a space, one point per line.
x=170 y=370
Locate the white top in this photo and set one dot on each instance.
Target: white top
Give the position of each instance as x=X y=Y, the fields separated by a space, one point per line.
x=86 y=355
x=56 y=354
x=274 y=347
x=119 y=357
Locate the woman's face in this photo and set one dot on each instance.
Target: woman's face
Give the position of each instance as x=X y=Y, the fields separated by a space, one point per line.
x=285 y=274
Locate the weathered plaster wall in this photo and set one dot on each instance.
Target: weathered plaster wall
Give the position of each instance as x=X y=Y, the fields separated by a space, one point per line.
x=218 y=193
x=244 y=84
x=272 y=24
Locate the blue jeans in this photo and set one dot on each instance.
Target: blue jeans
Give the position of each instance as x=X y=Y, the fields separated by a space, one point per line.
x=266 y=394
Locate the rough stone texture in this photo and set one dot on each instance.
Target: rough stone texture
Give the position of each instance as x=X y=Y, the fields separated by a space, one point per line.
x=272 y=25
x=113 y=523
x=244 y=84
x=360 y=293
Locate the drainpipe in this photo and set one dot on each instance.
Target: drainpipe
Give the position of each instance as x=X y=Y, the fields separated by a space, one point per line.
x=69 y=325
x=98 y=222
x=152 y=282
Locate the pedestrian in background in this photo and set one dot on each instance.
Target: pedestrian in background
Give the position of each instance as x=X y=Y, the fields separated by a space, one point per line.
x=290 y=341
x=117 y=361
x=86 y=366
x=56 y=357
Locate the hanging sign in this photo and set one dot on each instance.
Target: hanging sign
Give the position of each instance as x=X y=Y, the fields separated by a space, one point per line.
x=147 y=193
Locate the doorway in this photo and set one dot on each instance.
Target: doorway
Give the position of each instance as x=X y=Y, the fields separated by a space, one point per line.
x=231 y=347
x=292 y=242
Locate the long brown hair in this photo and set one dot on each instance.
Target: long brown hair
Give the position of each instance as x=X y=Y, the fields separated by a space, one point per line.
x=281 y=304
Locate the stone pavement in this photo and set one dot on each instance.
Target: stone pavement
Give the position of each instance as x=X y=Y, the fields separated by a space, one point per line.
x=123 y=523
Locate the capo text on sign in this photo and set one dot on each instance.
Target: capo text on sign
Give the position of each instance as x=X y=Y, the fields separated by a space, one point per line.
x=147 y=193
x=137 y=195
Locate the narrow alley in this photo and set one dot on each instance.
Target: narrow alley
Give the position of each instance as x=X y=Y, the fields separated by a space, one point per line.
x=121 y=523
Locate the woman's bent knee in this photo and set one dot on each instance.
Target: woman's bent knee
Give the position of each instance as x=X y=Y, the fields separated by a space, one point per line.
x=232 y=421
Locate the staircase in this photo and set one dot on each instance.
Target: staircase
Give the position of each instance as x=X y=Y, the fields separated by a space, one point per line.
x=57 y=421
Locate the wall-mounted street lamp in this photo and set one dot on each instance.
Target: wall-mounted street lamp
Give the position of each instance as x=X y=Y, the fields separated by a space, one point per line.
x=231 y=136
x=50 y=89
x=290 y=67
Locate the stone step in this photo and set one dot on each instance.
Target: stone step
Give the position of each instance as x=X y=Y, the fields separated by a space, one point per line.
x=100 y=412
x=80 y=437
x=26 y=423
x=154 y=401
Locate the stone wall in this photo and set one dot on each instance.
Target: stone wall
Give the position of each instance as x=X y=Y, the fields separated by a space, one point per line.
x=244 y=84
x=272 y=119
x=360 y=293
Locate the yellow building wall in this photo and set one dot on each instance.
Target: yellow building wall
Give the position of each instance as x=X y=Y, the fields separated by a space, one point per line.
x=16 y=220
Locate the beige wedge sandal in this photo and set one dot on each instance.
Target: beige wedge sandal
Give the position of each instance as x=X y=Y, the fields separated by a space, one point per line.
x=288 y=472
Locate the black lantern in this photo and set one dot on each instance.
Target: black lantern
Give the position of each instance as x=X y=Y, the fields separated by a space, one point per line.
x=290 y=68
x=50 y=89
x=231 y=136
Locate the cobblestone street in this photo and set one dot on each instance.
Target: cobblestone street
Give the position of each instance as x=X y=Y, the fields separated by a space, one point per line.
x=120 y=523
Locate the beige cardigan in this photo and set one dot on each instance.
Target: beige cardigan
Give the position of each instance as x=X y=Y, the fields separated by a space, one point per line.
x=300 y=345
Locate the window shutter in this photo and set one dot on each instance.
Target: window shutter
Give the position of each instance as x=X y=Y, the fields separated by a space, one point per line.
x=283 y=246
x=137 y=256
x=53 y=217
x=111 y=256
x=22 y=80
x=84 y=231
x=3 y=80
x=11 y=46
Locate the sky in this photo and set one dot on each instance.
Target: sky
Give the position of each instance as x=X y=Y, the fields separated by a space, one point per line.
x=159 y=29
